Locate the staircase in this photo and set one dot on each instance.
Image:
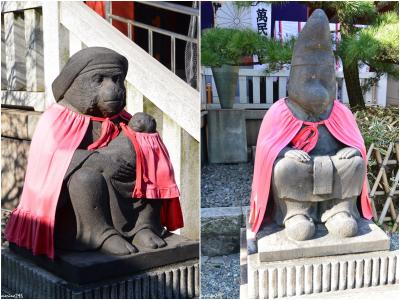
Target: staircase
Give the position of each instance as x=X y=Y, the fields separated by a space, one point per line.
x=37 y=40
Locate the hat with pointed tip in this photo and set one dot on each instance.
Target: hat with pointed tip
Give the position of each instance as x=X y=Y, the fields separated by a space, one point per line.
x=314 y=45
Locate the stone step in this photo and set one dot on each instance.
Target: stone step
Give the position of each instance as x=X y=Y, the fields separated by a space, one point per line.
x=220 y=229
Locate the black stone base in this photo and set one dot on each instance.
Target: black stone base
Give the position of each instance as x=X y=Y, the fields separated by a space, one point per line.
x=91 y=266
x=22 y=278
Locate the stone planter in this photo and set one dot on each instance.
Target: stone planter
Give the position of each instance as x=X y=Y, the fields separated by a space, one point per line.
x=226 y=78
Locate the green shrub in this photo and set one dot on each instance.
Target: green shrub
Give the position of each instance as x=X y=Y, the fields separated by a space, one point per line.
x=379 y=126
x=226 y=46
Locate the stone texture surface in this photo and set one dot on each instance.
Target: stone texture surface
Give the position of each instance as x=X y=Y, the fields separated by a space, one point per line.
x=227 y=142
x=220 y=230
x=311 y=276
x=17 y=127
x=21 y=276
x=18 y=124
x=273 y=243
x=91 y=266
x=14 y=157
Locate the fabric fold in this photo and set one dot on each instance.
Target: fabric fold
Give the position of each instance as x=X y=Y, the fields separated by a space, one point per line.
x=58 y=134
x=155 y=177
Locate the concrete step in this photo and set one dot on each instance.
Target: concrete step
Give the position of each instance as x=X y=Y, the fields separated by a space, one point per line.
x=220 y=229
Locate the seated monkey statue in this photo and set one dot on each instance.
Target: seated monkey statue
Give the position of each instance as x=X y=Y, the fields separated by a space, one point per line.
x=310 y=155
x=96 y=178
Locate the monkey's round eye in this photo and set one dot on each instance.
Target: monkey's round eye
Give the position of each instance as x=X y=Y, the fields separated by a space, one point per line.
x=115 y=78
x=99 y=78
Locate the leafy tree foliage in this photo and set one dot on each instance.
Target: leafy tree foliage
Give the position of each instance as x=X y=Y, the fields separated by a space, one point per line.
x=376 y=45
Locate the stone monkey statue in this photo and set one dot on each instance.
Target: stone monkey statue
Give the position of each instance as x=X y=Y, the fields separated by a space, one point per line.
x=81 y=170
x=311 y=92
x=310 y=157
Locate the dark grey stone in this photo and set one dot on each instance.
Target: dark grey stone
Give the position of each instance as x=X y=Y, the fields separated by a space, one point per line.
x=220 y=228
x=227 y=142
x=168 y=285
x=89 y=266
x=175 y=283
x=323 y=185
x=97 y=187
x=44 y=284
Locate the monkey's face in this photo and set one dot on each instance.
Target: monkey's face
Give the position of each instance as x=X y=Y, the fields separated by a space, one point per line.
x=312 y=87
x=98 y=92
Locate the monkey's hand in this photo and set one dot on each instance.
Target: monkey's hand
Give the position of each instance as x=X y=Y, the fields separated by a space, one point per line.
x=298 y=155
x=347 y=153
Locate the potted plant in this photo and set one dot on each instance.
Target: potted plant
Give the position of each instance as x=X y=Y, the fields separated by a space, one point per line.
x=224 y=49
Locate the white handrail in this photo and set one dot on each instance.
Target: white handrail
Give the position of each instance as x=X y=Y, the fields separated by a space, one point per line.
x=166 y=90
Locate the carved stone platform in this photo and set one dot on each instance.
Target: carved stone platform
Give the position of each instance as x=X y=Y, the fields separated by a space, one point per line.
x=273 y=243
x=92 y=266
x=21 y=278
x=264 y=276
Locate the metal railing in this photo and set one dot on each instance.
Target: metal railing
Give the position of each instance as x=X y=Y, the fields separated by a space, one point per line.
x=193 y=12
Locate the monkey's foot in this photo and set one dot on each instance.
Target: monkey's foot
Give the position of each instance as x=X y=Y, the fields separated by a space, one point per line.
x=117 y=245
x=148 y=239
x=300 y=228
x=342 y=225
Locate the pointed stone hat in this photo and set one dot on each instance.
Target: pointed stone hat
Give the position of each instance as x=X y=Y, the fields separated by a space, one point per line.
x=314 y=45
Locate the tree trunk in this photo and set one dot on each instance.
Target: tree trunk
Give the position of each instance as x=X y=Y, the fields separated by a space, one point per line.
x=352 y=78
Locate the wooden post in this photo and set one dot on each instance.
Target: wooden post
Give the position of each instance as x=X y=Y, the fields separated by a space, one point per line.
x=203 y=88
x=190 y=183
x=172 y=139
x=151 y=109
x=184 y=153
x=74 y=44
x=34 y=51
x=256 y=89
x=55 y=47
x=214 y=91
x=269 y=89
x=3 y=58
x=243 y=90
x=381 y=91
x=134 y=99
x=15 y=51
x=345 y=96
x=282 y=87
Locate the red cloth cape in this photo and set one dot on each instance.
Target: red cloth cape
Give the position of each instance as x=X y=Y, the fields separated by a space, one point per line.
x=278 y=129
x=58 y=134
x=155 y=176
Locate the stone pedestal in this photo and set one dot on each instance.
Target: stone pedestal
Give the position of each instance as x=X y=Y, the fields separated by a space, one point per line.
x=273 y=266
x=227 y=142
x=273 y=243
x=169 y=272
x=24 y=279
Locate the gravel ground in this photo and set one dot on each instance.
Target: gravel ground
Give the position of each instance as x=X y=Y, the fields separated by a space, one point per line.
x=220 y=277
x=226 y=184
x=394 y=241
